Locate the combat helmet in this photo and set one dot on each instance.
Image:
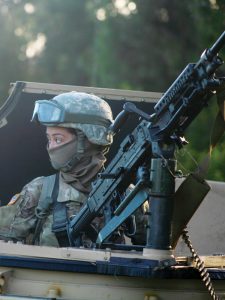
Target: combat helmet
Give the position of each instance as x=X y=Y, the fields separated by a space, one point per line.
x=85 y=112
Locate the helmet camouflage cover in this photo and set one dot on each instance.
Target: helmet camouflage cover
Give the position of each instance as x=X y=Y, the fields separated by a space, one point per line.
x=88 y=113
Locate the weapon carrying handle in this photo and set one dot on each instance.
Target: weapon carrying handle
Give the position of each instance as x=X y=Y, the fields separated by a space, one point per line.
x=128 y=108
x=120 y=119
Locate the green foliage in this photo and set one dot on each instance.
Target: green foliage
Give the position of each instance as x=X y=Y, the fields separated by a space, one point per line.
x=199 y=135
x=124 y=44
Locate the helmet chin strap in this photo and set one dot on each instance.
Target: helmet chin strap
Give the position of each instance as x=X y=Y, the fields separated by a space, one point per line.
x=78 y=153
x=80 y=142
x=80 y=150
x=69 y=165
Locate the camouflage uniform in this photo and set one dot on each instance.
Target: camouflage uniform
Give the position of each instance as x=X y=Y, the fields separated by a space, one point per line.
x=19 y=219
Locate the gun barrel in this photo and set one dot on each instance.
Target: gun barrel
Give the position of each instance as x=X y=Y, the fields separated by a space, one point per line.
x=216 y=46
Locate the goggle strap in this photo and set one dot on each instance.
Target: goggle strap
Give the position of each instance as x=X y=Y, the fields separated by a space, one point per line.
x=85 y=119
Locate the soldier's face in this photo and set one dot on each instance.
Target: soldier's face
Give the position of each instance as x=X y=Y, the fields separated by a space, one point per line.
x=58 y=136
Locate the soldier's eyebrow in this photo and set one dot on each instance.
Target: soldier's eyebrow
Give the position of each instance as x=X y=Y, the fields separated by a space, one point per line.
x=54 y=134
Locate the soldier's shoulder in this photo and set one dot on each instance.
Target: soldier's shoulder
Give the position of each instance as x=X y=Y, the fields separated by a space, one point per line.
x=36 y=182
x=34 y=186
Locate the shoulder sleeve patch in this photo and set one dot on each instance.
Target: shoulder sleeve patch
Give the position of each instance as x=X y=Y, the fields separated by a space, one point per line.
x=13 y=199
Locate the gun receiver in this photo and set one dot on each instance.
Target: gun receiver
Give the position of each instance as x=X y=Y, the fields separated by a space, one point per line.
x=151 y=145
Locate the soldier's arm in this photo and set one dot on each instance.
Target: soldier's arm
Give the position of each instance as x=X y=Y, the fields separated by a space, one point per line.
x=141 y=219
x=18 y=218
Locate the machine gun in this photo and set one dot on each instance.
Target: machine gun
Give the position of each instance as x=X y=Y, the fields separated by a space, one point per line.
x=146 y=156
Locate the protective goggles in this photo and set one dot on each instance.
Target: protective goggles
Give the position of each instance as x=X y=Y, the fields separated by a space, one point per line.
x=51 y=112
x=48 y=112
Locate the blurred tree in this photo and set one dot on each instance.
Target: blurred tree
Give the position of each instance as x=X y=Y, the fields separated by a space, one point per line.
x=132 y=37
x=11 y=43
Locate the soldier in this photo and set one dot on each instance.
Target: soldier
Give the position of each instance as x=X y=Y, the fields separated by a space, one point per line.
x=78 y=139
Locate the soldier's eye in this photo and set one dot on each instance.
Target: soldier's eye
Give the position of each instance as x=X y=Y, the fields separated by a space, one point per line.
x=58 y=140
